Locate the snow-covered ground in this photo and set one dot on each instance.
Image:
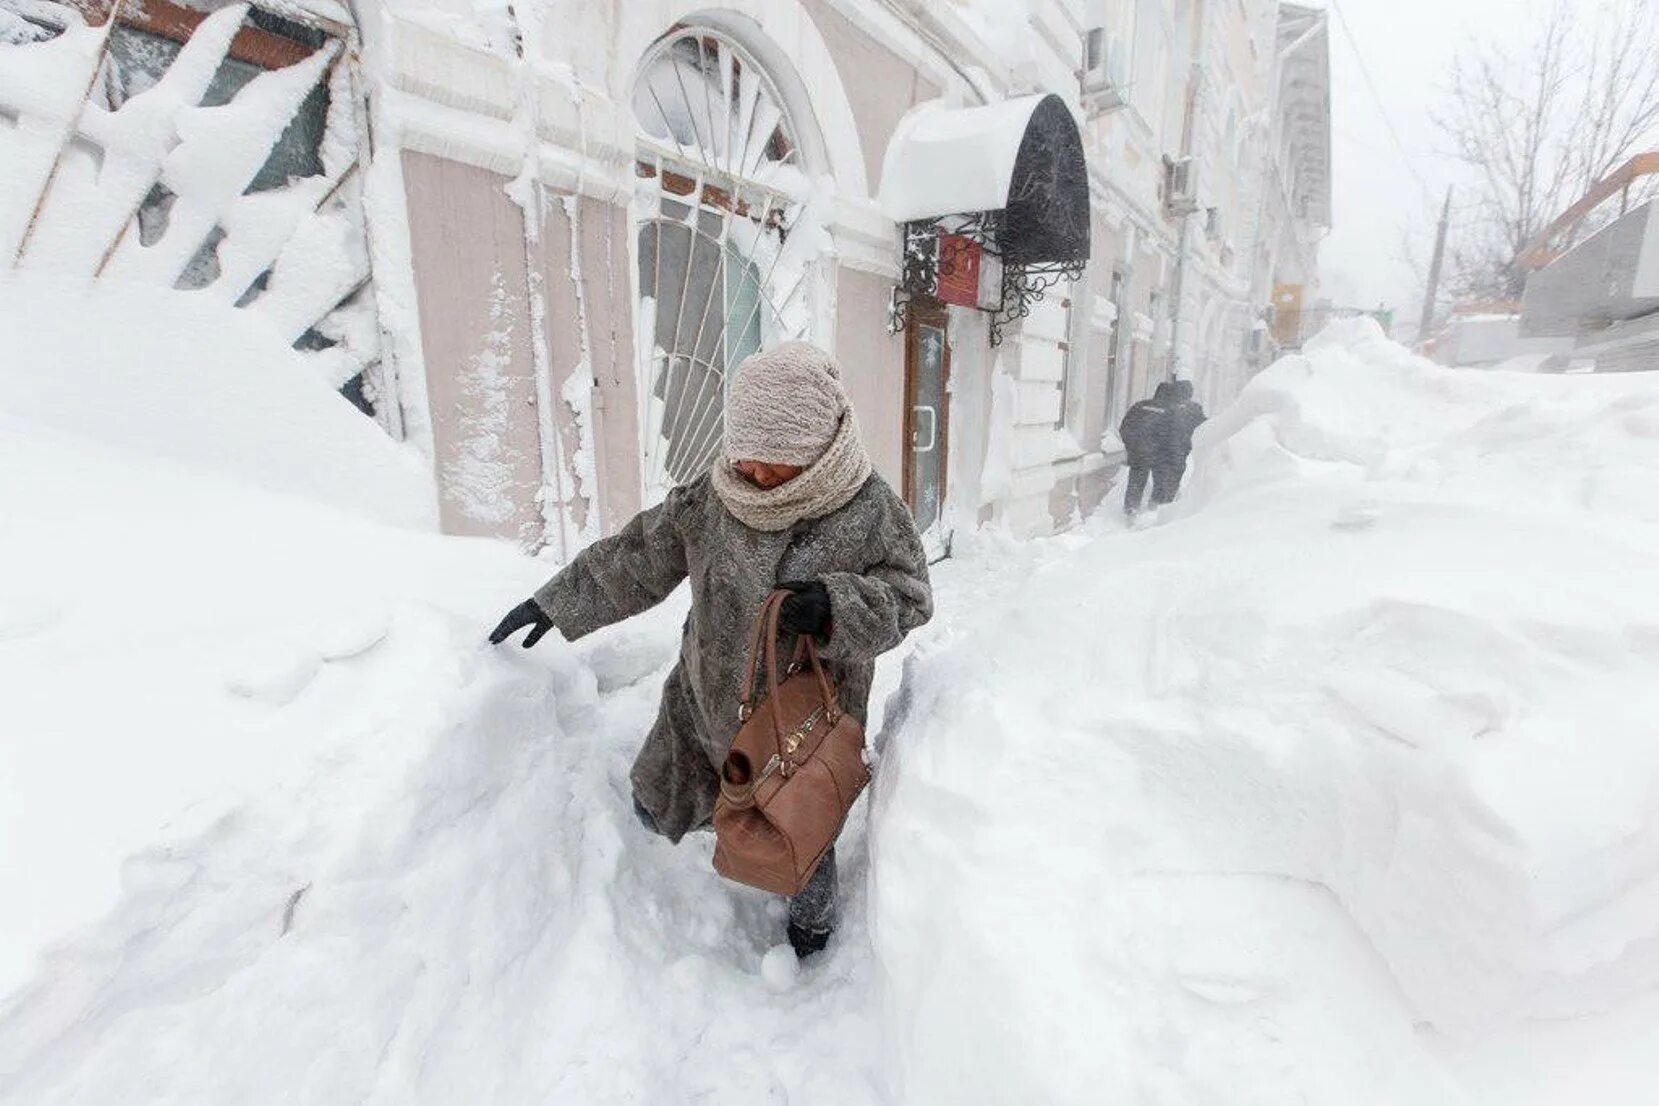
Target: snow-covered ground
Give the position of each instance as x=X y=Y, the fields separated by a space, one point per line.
x=1338 y=785
x=1335 y=785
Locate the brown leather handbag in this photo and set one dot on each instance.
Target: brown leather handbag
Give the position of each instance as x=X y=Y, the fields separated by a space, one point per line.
x=794 y=770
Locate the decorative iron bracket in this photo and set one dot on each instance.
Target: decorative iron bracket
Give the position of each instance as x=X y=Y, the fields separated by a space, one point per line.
x=984 y=227
x=898 y=310
x=1024 y=285
x=918 y=273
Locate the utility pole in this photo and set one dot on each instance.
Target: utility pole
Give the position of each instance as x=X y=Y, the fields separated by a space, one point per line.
x=1195 y=81
x=1434 y=271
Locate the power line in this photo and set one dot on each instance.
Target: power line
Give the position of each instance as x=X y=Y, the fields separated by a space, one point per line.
x=1376 y=97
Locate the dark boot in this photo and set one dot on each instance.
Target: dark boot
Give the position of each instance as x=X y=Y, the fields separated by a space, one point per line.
x=814 y=912
x=1135 y=489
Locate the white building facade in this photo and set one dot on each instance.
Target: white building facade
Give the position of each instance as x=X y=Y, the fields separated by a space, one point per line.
x=550 y=230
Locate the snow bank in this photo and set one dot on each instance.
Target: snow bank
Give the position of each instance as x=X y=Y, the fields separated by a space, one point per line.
x=1334 y=788
x=1358 y=408
x=277 y=826
x=179 y=377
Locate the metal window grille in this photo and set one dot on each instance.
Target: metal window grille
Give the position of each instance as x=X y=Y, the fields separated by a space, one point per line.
x=722 y=187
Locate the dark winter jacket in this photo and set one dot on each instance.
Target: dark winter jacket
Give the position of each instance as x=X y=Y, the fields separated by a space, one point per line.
x=867 y=554
x=1184 y=418
x=1145 y=429
x=1157 y=432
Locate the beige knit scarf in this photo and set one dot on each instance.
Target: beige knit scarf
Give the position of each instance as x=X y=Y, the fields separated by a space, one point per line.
x=825 y=486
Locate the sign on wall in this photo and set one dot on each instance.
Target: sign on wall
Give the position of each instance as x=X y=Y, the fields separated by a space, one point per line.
x=1287 y=314
x=958 y=270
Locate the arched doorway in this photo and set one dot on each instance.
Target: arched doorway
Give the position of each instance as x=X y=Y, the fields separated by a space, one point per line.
x=727 y=246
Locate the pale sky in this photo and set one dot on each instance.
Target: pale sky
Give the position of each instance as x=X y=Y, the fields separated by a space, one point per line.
x=1379 y=193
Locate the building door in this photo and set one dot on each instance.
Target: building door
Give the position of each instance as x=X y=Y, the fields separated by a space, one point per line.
x=927 y=421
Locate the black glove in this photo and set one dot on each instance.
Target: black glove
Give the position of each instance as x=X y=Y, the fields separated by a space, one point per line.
x=525 y=614
x=808 y=610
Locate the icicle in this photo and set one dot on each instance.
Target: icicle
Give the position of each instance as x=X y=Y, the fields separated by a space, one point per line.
x=578 y=388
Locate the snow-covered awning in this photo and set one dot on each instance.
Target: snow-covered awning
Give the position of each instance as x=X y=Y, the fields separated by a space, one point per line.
x=1022 y=157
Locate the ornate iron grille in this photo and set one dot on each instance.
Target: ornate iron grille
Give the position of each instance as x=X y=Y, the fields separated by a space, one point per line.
x=720 y=169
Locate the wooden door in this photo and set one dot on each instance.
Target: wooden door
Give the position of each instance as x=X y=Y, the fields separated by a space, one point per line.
x=927 y=419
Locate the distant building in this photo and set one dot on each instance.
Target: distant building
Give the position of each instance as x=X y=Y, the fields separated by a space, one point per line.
x=1602 y=295
x=532 y=239
x=1294 y=179
x=1482 y=339
x=1594 y=283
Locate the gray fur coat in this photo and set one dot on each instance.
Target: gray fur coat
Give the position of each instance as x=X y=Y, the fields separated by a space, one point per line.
x=867 y=554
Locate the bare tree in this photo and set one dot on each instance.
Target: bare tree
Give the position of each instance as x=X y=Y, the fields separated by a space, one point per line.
x=1541 y=125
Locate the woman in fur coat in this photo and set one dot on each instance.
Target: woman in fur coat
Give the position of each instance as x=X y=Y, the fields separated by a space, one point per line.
x=793 y=503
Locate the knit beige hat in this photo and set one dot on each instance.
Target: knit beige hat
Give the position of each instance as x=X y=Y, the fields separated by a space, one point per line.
x=784 y=406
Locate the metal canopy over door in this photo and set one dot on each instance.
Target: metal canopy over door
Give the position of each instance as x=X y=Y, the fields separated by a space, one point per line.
x=927 y=421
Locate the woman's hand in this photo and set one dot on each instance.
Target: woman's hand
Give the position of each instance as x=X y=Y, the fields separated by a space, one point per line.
x=525 y=614
x=807 y=611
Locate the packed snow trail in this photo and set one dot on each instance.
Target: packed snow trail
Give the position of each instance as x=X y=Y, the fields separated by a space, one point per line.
x=280 y=827
x=1315 y=790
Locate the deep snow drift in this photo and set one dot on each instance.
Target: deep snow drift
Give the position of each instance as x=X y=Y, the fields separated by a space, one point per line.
x=276 y=826
x=1335 y=785
x=1340 y=785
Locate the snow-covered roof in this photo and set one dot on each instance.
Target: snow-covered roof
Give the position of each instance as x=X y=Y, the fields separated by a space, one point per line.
x=945 y=161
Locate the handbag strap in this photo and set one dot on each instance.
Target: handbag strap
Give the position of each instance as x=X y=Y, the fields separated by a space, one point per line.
x=751 y=668
x=806 y=649
x=763 y=648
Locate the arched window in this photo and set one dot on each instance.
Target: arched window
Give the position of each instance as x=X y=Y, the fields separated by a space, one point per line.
x=725 y=262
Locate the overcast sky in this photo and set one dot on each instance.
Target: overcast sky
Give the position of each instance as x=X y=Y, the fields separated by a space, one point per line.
x=1383 y=190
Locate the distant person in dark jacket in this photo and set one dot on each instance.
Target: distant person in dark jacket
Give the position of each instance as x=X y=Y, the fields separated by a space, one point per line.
x=1157 y=437
x=1145 y=431
x=1185 y=415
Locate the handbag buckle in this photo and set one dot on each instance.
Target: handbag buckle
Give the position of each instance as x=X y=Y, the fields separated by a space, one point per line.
x=793 y=741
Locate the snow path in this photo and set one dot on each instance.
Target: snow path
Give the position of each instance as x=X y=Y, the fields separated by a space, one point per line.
x=456 y=904
x=363 y=857
x=277 y=826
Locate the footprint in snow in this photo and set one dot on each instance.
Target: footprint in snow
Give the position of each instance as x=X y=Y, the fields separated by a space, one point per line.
x=351 y=635
x=272 y=673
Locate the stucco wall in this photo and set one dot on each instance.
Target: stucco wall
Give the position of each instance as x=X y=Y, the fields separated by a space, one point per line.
x=476 y=278
x=466 y=239
x=880 y=85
